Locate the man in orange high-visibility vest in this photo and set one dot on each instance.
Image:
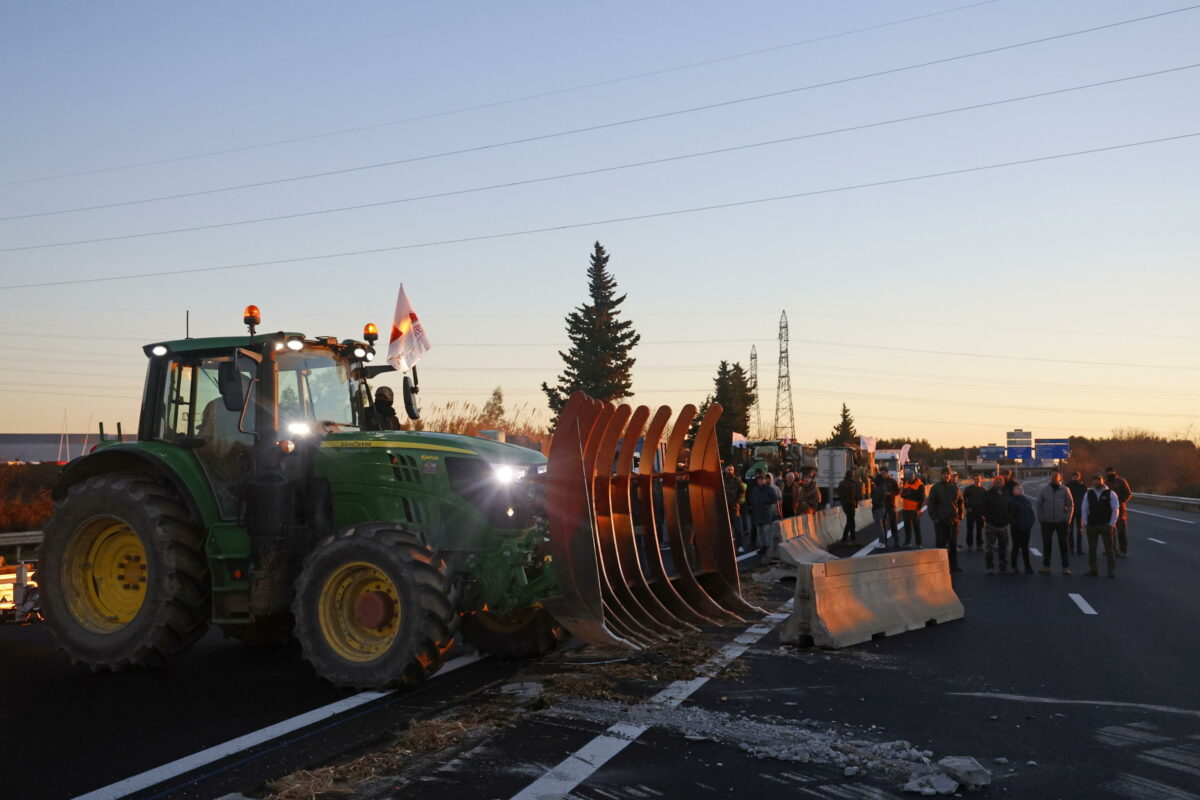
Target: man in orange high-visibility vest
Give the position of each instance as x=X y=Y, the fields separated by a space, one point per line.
x=912 y=496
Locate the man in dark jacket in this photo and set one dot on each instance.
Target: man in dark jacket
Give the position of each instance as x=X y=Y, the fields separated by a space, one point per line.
x=733 y=500
x=1023 y=517
x=1078 y=489
x=1101 y=508
x=996 y=519
x=764 y=510
x=848 y=491
x=1120 y=487
x=883 y=507
x=946 y=508
x=973 y=498
x=789 y=495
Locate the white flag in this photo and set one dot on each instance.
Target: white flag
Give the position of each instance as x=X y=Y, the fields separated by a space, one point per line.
x=409 y=340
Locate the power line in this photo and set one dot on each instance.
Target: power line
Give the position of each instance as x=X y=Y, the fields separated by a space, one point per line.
x=610 y=221
x=592 y=128
x=497 y=103
x=601 y=170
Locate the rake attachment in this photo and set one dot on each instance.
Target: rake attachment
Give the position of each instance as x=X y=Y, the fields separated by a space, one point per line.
x=607 y=522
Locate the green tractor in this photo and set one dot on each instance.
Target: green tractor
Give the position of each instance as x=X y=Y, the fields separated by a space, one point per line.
x=258 y=498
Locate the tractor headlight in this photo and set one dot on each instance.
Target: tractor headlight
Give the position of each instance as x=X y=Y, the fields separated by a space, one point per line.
x=507 y=474
x=360 y=352
x=295 y=344
x=159 y=350
x=299 y=428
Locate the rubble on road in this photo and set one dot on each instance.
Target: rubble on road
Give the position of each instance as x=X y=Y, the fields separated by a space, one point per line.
x=929 y=785
x=762 y=737
x=966 y=771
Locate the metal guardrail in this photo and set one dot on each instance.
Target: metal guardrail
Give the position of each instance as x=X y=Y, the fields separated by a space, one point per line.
x=20 y=539
x=1165 y=501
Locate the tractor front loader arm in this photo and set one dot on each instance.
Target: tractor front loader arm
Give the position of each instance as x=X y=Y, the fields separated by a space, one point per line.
x=605 y=520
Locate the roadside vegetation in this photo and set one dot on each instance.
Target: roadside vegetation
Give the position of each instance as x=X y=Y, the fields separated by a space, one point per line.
x=25 y=502
x=522 y=425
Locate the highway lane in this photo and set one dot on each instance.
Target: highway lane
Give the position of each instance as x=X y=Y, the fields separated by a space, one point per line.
x=1105 y=705
x=1024 y=654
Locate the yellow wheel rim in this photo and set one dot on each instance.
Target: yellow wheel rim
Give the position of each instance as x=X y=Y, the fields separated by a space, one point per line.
x=105 y=574
x=359 y=610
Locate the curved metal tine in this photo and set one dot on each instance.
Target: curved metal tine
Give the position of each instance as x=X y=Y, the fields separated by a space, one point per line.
x=712 y=532
x=687 y=584
x=659 y=582
x=579 y=606
x=622 y=525
x=615 y=603
x=610 y=561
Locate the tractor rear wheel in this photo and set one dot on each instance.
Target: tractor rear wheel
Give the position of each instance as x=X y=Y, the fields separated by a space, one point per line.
x=371 y=608
x=123 y=577
x=524 y=633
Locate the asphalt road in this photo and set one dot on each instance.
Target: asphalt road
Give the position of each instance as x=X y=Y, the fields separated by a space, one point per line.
x=1106 y=704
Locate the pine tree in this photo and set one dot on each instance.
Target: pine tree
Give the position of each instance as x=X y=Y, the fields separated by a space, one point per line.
x=731 y=388
x=598 y=361
x=492 y=415
x=843 y=433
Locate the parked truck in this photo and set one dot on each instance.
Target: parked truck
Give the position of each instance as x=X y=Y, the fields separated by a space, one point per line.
x=832 y=465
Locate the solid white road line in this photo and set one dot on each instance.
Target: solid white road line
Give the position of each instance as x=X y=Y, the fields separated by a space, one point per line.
x=750 y=554
x=216 y=752
x=1163 y=516
x=1024 y=699
x=1035 y=551
x=866 y=549
x=1156 y=541
x=1084 y=606
x=576 y=768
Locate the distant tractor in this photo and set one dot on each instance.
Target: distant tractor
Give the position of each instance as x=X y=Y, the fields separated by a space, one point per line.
x=256 y=499
x=775 y=456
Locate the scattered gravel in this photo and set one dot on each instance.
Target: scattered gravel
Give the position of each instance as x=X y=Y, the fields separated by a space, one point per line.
x=762 y=737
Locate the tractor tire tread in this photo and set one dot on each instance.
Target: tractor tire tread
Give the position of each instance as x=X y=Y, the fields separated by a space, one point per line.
x=427 y=574
x=182 y=616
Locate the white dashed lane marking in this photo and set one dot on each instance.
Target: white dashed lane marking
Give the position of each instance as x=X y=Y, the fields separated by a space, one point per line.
x=1156 y=541
x=1084 y=606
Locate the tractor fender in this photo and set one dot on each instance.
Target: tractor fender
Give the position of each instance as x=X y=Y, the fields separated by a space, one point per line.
x=174 y=468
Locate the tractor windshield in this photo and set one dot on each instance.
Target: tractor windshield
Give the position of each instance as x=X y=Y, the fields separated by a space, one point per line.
x=315 y=385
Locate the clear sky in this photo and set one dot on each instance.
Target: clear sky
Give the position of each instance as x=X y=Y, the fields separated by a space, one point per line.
x=1057 y=296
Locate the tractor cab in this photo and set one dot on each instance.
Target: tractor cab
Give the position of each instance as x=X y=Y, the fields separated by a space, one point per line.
x=243 y=405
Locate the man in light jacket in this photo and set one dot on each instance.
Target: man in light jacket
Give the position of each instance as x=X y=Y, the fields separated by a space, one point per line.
x=1100 y=511
x=1054 y=509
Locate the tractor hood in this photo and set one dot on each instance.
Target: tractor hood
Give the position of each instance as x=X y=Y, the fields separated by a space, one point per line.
x=444 y=444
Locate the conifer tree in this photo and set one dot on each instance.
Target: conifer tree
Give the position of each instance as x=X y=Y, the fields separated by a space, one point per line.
x=731 y=388
x=598 y=361
x=843 y=433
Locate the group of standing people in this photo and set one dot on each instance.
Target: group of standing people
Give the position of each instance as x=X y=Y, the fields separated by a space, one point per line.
x=758 y=502
x=1000 y=519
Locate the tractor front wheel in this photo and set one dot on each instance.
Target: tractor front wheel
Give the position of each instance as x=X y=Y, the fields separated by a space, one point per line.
x=371 y=608
x=524 y=633
x=123 y=577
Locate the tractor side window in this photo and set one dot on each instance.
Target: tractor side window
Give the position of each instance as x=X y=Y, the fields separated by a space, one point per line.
x=179 y=404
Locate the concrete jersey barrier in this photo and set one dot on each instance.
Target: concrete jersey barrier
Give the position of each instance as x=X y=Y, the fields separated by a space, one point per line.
x=850 y=601
x=803 y=539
